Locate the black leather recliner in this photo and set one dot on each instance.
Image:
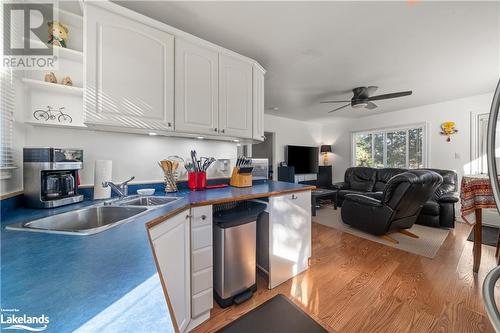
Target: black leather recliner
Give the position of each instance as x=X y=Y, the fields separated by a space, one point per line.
x=438 y=211
x=399 y=207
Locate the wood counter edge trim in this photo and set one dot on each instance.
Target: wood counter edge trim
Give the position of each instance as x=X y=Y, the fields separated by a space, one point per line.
x=176 y=211
x=251 y=196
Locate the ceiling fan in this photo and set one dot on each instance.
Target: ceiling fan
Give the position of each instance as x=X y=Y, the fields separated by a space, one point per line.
x=362 y=98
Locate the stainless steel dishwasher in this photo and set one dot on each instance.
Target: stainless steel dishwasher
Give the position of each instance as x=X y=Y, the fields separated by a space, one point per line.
x=235 y=234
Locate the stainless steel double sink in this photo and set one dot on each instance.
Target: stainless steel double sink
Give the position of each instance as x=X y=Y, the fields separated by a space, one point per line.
x=97 y=218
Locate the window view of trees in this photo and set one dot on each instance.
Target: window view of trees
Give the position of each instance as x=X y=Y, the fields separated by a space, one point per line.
x=395 y=149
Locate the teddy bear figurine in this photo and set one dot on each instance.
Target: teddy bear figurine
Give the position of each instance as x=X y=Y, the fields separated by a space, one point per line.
x=50 y=77
x=58 y=34
x=67 y=81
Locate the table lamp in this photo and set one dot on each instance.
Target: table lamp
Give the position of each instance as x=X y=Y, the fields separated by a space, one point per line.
x=325 y=149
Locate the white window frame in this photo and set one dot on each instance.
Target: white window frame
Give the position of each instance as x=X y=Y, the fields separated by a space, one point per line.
x=425 y=141
x=7 y=164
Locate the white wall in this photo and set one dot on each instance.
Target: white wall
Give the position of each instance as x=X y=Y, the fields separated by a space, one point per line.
x=454 y=155
x=132 y=154
x=289 y=132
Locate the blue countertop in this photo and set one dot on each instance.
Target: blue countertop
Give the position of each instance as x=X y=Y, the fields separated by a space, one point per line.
x=106 y=282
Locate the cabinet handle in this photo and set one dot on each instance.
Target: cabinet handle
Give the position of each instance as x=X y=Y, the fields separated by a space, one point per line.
x=203 y=217
x=294 y=197
x=223 y=131
x=169 y=124
x=189 y=216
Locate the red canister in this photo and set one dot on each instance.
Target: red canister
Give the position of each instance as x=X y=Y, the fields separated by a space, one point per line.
x=197 y=180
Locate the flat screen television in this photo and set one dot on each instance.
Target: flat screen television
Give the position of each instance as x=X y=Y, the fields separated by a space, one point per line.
x=304 y=159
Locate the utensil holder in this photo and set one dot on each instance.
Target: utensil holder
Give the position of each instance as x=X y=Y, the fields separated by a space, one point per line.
x=240 y=179
x=170 y=182
x=197 y=180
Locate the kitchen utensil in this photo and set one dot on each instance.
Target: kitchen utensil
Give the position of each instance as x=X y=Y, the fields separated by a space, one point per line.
x=146 y=191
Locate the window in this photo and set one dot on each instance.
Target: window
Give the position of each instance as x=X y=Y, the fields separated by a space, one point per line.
x=6 y=123
x=390 y=148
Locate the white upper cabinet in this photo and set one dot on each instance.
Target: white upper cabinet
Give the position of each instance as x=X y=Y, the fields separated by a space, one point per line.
x=235 y=97
x=196 y=88
x=258 y=103
x=137 y=81
x=129 y=72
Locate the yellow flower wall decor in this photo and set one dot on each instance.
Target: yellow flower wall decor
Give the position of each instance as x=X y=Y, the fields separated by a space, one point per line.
x=448 y=129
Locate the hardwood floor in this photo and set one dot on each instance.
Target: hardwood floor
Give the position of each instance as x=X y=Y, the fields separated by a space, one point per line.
x=355 y=285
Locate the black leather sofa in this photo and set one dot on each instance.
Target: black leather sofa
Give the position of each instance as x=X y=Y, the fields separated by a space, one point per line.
x=439 y=211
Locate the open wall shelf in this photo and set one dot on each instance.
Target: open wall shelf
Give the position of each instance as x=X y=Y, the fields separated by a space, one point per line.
x=53 y=87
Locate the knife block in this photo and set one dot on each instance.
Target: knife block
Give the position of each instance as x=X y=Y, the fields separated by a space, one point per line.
x=240 y=179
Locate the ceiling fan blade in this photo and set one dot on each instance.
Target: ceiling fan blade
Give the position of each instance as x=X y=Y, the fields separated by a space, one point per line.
x=349 y=101
x=392 y=95
x=339 y=108
x=371 y=105
x=370 y=90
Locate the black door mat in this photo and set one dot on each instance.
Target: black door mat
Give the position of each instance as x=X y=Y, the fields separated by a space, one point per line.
x=489 y=235
x=277 y=315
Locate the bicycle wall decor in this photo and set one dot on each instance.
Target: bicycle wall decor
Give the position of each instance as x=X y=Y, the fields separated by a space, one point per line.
x=51 y=114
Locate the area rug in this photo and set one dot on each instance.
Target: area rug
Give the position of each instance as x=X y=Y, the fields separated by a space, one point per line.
x=277 y=315
x=427 y=245
x=489 y=235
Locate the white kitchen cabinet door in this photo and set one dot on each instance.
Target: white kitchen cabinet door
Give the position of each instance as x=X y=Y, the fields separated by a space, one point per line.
x=289 y=236
x=172 y=250
x=258 y=103
x=235 y=97
x=129 y=66
x=196 y=88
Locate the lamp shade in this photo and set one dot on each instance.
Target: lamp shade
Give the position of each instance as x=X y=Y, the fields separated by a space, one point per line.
x=326 y=149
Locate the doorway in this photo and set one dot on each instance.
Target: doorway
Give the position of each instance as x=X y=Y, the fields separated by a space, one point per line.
x=265 y=149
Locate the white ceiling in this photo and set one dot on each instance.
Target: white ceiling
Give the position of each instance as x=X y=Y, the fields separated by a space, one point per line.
x=321 y=50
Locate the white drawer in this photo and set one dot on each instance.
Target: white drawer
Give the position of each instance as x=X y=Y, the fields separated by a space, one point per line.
x=202 y=280
x=201 y=216
x=201 y=303
x=201 y=259
x=201 y=237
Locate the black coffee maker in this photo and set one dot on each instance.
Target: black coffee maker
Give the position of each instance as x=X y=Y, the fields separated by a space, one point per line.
x=51 y=176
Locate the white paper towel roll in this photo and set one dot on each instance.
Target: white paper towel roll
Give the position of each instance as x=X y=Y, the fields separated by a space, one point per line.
x=102 y=173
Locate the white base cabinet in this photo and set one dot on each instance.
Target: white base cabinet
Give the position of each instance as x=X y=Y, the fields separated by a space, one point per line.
x=202 y=259
x=183 y=246
x=289 y=236
x=172 y=250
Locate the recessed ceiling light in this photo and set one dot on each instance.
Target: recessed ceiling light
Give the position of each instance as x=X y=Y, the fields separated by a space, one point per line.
x=236 y=140
x=200 y=137
x=152 y=133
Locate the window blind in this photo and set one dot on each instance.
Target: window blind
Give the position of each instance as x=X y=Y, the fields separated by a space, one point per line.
x=7 y=93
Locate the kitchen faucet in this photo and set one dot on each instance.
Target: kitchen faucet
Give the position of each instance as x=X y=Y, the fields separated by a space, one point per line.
x=120 y=189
